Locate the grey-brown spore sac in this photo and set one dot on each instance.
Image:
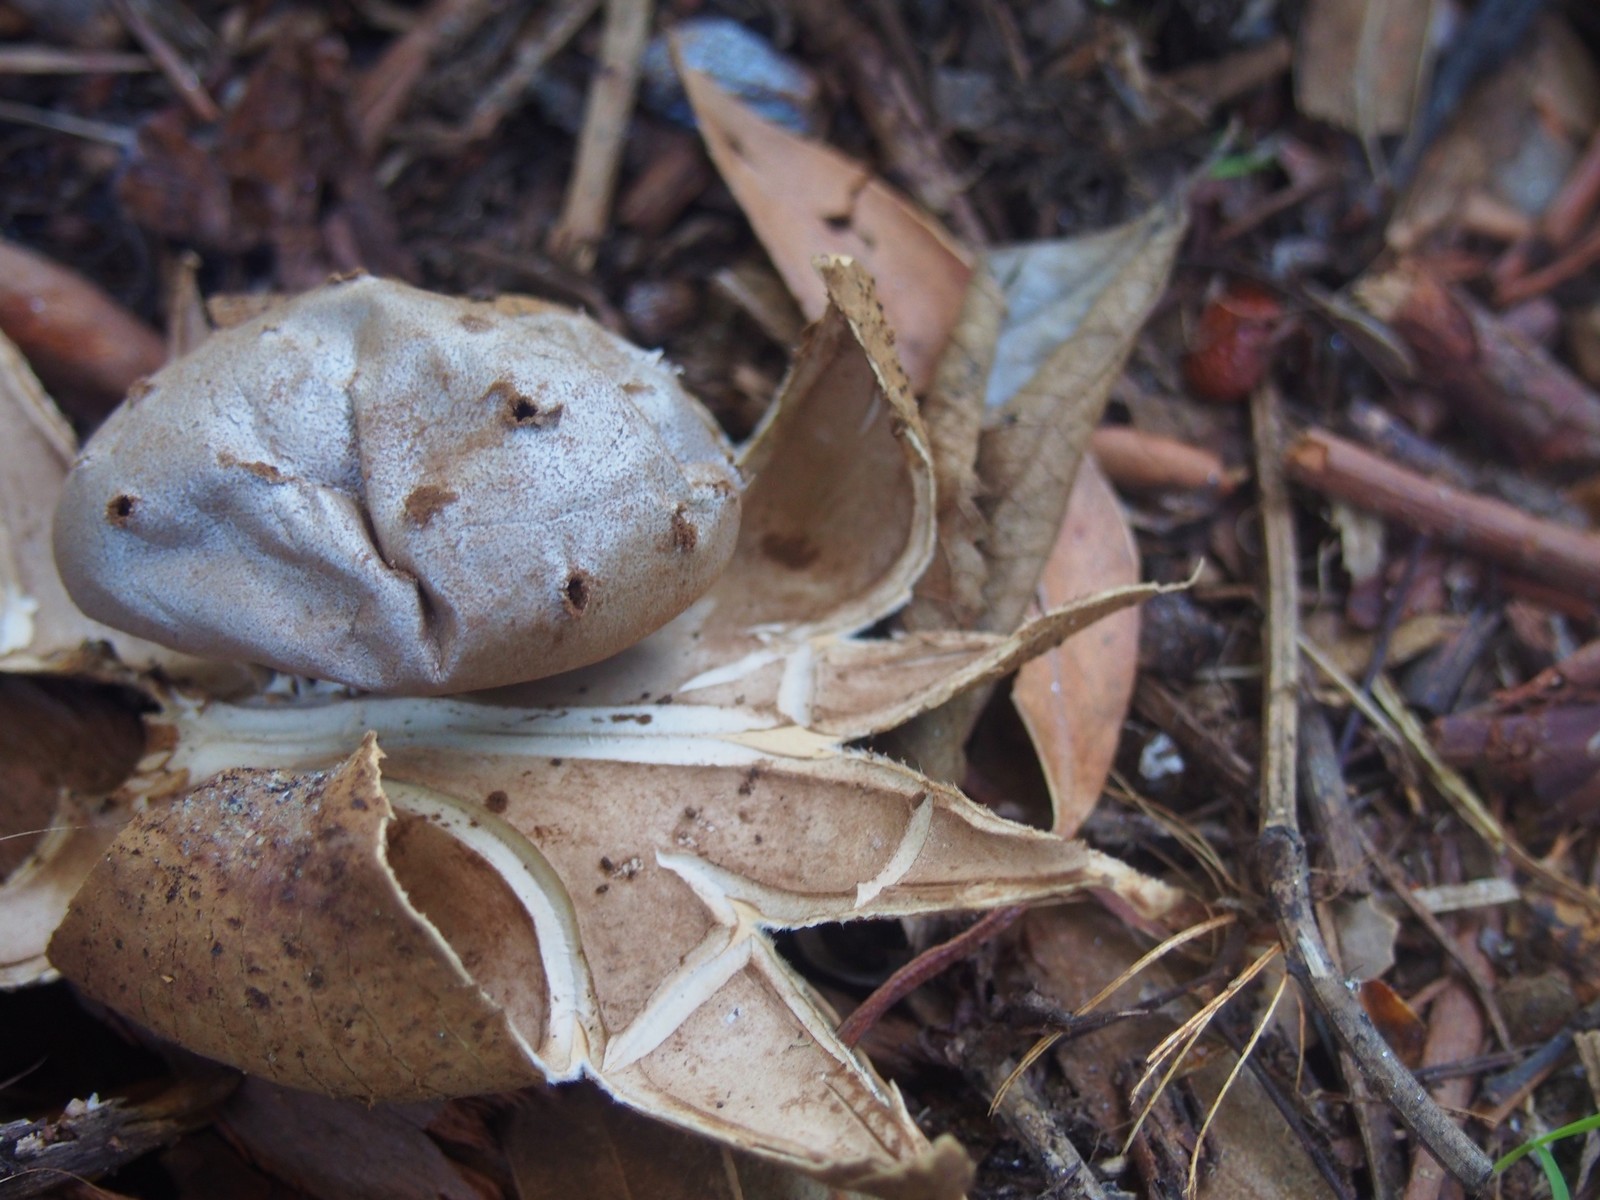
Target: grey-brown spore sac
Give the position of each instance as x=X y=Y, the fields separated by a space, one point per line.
x=402 y=492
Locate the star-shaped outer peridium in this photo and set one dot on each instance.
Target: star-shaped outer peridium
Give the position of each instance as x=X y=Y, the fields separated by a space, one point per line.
x=394 y=898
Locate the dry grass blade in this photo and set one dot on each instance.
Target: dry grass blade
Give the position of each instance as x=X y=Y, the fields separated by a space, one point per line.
x=1180 y=1041
x=1039 y=1048
x=1239 y=1064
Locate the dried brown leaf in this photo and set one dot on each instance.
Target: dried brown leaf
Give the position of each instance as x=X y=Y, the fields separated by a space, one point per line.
x=344 y=1149
x=1073 y=699
x=1360 y=63
x=950 y=593
x=1075 y=309
x=804 y=199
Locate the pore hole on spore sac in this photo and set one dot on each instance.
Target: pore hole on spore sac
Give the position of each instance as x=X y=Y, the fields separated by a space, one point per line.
x=576 y=593
x=120 y=509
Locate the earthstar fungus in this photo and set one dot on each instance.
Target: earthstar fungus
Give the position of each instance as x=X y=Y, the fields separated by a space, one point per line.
x=405 y=895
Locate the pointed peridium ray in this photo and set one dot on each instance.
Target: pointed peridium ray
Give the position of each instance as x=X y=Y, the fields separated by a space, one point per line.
x=573 y=1020
x=213 y=736
x=849 y=688
x=952 y=854
x=800 y=705
x=261 y=920
x=759 y=1009
x=1004 y=862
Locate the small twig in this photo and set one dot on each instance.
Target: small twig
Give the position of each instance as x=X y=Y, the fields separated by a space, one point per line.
x=922 y=968
x=1508 y=387
x=887 y=101
x=1499 y=1089
x=1031 y=1119
x=179 y=74
x=556 y=27
x=381 y=91
x=586 y=213
x=1482 y=987
x=1322 y=781
x=80 y=127
x=1576 y=200
x=1375 y=1124
x=1555 y=554
x=1281 y=855
x=1454 y=788
x=1284 y=1101
x=1380 y=645
x=1573 y=262
x=53 y=60
x=1026 y=1114
x=1136 y=460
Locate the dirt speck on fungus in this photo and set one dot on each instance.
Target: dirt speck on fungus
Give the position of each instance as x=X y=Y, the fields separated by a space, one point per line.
x=425 y=502
x=685 y=536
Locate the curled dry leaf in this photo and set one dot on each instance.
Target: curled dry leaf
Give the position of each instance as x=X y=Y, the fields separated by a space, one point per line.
x=805 y=199
x=1076 y=307
x=578 y=876
x=1073 y=698
x=403 y=492
x=1072 y=311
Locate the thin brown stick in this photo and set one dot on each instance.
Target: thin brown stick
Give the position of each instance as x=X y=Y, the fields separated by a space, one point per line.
x=889 y=104
x=179 y=74
x=1281 y=855
x=586 y=213
x=1577 y=199
x=1572 y=263
x=1543 y=550
x=1508 y=387
x=924 y=967
x=381 y=91
x=1138 y=461
x=54 y=60
x=556 y=27
x=1482 y=986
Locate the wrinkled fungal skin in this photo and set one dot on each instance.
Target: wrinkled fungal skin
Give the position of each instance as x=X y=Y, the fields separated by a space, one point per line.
x=402 y=492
